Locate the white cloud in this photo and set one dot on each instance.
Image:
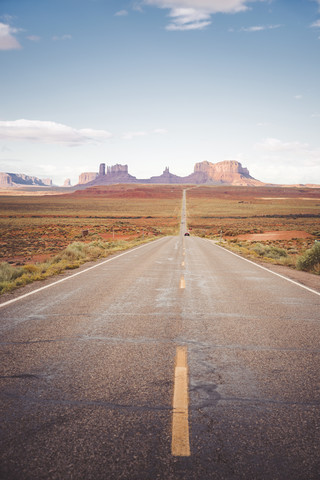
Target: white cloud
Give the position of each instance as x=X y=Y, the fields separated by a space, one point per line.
x=290 y=151
x=196 y=14
x=315 y=24
x=49 y=132
x=277 y=161
x=7 y=39
x=121 y=13
x=259 y=28
x=209 y=6
x=188 y=19
x=298 y=97
x=131 y=135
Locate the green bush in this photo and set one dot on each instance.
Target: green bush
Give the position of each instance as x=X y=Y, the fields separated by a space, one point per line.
x=310 y=260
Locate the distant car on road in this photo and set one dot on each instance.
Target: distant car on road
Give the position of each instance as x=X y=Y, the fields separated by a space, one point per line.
x=187 y=234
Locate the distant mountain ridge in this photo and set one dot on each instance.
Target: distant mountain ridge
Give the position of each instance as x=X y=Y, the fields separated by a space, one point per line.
x=13 y=179
x=228 y=172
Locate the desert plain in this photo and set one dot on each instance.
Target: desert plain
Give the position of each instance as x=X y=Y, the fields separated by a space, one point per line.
x=276 y=224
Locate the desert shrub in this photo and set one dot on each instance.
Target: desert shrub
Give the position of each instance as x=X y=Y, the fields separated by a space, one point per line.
x=310 y=260
x=30 y=268
x=276 y=252
x=269 y=251
x=9 y=273
x=259 y=249
x=71 y=257
x=75 y=251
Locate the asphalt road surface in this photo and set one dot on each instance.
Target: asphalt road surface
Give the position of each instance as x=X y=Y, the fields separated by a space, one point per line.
x=175 y=360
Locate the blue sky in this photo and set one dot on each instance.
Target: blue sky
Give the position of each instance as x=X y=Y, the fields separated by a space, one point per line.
x=156 y=83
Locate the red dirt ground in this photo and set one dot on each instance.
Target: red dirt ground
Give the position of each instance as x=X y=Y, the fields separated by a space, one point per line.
x=275 y=235
x=131 y=191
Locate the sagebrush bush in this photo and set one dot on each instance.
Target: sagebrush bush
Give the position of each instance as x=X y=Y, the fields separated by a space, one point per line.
x=276 y=252
x=269 y=251
x=9 y=273
x=71 y=257
x=310 y=260
x=30 y=268
x=259 y=249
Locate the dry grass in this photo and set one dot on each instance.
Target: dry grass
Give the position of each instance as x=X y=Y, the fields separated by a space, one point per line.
x=228 y=212
x=34 y=228
x=44 y=235
x=71 y=257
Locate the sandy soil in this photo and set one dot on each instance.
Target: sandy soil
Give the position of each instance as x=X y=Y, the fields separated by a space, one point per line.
x=275 y=235
x=19 y=192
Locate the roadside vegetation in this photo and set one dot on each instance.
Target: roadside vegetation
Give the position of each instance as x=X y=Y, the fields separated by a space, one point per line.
x=310 y=260
x=42 y=236
x=302 y=256
x=76 y=254
x=236 y=216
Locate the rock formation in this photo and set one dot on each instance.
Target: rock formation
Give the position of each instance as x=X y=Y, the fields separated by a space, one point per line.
x=166 y=177
x=14 y=179
x=5 y=180
x=117 y=169
x=229 y=172
x=47 y=181
x=102 y=169
x=67 y=183
x=115 y=174
x=87 y=177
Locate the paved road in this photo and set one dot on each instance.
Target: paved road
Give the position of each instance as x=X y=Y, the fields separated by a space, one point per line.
x=90 y=368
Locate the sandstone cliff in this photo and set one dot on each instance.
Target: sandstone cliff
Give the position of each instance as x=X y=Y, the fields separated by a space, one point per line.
x=115 y=174
x=5 y=180
x=47 y=181
x=14 y=179
x=228 y=172
x=87 y=177
x=166 y=177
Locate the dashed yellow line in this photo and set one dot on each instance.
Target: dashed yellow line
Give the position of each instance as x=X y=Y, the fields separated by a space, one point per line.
x=180 y=445
x=182 y=282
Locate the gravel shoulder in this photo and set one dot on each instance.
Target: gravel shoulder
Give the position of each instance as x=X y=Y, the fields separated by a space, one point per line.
x=308 y=279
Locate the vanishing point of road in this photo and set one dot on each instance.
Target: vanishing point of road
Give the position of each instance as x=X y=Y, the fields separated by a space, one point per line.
x=174 y=360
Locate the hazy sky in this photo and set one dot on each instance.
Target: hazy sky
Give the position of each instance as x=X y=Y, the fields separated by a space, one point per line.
x=156 y=83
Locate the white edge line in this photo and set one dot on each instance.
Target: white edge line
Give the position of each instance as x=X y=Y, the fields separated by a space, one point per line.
x=266 y=269
x=75 y=274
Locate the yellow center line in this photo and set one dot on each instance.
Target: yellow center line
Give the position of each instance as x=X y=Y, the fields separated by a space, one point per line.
x=180 y=444
x=182 y=264
x=182 y=282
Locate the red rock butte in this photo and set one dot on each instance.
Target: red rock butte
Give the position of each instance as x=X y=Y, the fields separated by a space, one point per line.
x=228 y=172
